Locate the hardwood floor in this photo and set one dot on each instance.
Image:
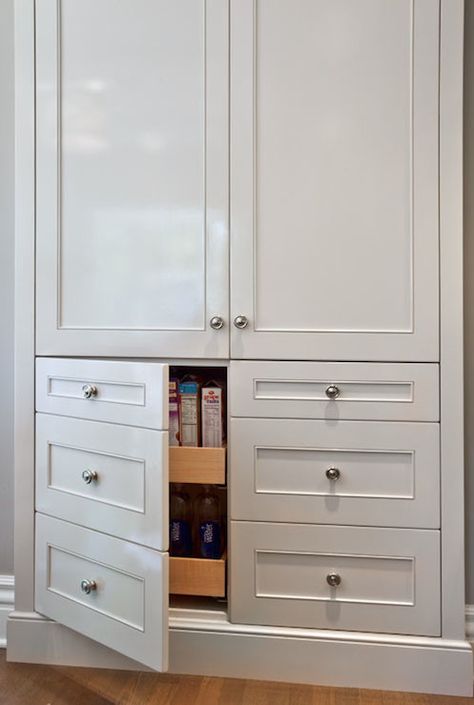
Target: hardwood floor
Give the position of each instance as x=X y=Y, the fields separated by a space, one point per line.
x=22 y=684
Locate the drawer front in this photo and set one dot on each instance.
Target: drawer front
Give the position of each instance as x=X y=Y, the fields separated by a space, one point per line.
x=349 y=472
x=335 y=390
x=107 y=477
x=105 y=588
x=349 y=578
x=130 y=393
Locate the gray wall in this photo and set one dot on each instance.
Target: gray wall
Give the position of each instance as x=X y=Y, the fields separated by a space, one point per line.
x=6 y=287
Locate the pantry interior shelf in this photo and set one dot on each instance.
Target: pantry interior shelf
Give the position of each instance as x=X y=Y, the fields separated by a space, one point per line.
x=201 y=577
x=197 y=465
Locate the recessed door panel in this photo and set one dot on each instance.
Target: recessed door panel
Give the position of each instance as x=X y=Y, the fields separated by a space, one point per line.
x=129 y=393
x=335 y=472
x=104 y=476
x=110 y=590
x=132 y=177
x=335 y=390
x=334 y=174
x=336 y=577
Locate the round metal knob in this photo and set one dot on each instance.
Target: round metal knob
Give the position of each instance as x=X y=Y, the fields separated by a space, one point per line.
x=333 y=391
x=89 y=476
x=333 y=474
x=217 y=322
x=88 y=586
x=89 y=391
x=333 y=579
x=241 y=322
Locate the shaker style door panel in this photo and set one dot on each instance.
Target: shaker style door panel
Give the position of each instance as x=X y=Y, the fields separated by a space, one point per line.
x=132 y=177
x=335 y=390
x=104 y=476
x=333 y=577
x=129 y=393
x=321 y=472
x=109 y=590
x=334 y=179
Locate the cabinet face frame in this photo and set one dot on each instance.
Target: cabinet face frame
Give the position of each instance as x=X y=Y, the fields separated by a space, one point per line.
x=416 y=339
x=452 y=548
x=81 y=338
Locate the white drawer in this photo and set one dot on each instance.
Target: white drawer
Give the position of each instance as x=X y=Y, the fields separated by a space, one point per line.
x=130 y=393
x=335 y=390
x=389 y=578
x=107 y=477
x=129 y=605
x=367 y=473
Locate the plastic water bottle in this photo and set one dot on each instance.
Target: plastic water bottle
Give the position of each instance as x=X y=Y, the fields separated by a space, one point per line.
x=181 y=516
x=209 y=523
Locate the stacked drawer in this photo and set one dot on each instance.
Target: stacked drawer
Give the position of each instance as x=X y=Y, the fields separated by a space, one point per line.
x=335 y=496
x=102 y=501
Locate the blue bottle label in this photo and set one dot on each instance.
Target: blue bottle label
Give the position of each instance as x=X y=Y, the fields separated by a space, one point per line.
x=181 y=543
x=210 y=539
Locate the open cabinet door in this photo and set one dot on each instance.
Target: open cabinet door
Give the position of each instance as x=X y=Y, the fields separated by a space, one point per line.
x=102 y=502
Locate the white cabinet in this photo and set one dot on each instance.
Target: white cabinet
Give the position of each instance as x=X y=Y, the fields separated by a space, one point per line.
x=111 y=478
x=334 y=173
x=131 y=167
x=102 y=527
x=334 y=179
x=272 y=187
x=129 y=393
x=383 y=580
x=345 y=472
x=335 y=390
x=110 y=590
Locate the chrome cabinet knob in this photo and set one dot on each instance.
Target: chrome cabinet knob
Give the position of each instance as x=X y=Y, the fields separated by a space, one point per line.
x=88 y=586
x=241 y=322
x=333 y=474
x=217 y=322
x=89 y=391
x=333 y=579
x=332 y=391
x=89 y=476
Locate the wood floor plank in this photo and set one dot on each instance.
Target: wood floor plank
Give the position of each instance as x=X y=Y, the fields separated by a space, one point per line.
x=117 y=686
x=24 y=684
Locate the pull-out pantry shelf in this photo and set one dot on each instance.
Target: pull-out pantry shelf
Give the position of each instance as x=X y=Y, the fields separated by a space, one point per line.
x=201 y=577
x=197 y=465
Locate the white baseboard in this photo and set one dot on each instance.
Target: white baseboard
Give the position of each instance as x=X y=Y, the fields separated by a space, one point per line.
x=7 y=601
x=215 y=647
x=7 y=590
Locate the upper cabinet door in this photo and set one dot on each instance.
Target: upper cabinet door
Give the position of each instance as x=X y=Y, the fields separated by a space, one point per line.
x=334 y=179
x=132 y=177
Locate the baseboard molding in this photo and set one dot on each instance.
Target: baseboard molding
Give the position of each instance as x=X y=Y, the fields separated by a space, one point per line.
x=29 y=645
x=208 y=647
x=7 y=601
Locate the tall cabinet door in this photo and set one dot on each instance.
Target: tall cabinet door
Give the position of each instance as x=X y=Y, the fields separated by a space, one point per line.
x=132 y=177
x=334 y=179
